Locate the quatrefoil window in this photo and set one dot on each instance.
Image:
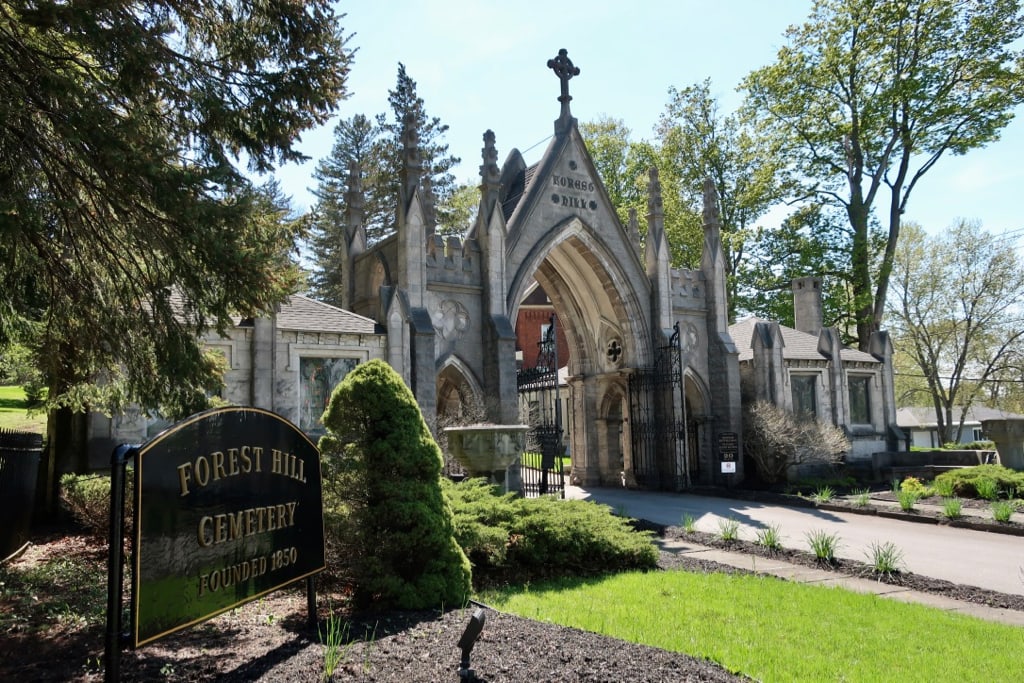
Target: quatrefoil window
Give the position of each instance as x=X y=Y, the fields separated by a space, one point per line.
x=614 y=351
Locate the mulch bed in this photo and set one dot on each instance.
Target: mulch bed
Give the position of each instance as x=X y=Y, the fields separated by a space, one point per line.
x=268 y=640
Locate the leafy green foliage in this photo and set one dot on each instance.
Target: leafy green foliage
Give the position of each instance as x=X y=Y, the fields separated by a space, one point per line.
x=769 y=537
x=823 y=545
x=862 y=497
x=952 y=508
x=916 y=486
x=866 y=97
x=953 y=315
x=824 y=494
x=698 y=142
x=966 y=482
x=407 y=556
x=728 y=529
x=1002 y=510
x=908 y=499
x=529 y=538
x=127 y=228
x=87 y=497
x=885 y=558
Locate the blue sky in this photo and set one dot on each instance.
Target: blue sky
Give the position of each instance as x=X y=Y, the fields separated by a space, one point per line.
x=480 y=65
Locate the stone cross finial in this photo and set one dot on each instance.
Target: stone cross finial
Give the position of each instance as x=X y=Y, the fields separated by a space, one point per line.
x=564 y=69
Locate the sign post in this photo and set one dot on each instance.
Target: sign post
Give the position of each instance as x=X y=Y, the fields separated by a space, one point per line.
x=228 y=507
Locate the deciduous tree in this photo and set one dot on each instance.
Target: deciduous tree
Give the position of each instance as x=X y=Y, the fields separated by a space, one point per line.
x=955 y=311
x=698 y=141
x=866 y=97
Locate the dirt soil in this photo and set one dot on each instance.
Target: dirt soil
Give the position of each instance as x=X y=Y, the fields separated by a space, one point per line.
x=45 y=638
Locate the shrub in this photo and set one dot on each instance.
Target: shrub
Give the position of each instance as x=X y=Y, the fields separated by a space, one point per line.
x=914 y=485
x=389 y=467
x=952 y=508
x=87 y=497
x=823 y=545
x=964 y=481
x=777 y=440
x=507 y=537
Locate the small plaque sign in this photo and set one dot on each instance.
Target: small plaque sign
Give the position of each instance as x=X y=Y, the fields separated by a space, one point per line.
x=228 y=507
x=728 y=451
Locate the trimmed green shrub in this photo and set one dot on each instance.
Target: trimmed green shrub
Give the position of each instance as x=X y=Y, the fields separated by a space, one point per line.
x=915 y=486
x=964 y=481
x=389 y=483
x=87 y=498
x=525 y=539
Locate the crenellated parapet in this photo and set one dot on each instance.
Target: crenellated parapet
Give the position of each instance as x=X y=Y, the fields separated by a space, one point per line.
x=688 y=289
x=453 y=260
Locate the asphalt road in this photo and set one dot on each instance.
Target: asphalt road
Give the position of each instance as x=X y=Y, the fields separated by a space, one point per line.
x=978 y=558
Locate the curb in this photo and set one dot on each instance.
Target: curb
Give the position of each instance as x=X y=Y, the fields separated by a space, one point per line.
x=993 y=527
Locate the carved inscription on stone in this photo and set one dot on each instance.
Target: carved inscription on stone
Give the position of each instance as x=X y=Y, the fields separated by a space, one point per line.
x=573 y=191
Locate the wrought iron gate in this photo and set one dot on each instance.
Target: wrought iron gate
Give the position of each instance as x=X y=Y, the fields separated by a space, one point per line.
x=540 y=407
x=658 y=421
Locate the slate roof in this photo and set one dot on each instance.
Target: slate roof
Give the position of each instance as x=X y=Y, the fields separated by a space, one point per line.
x=520 y=184
x=302 y=314
x=924 y=418
x=797 y=345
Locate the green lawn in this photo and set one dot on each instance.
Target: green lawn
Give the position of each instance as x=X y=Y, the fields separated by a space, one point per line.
x=775 y=630
x=14 y=412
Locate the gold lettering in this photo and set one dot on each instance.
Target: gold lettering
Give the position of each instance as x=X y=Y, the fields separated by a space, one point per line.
x=243 y=453
x=218 y=465
x=232 y=462
x=276 y=457
x=258 y=452
x=205 y=540
x=184 y=474
x=202 y=471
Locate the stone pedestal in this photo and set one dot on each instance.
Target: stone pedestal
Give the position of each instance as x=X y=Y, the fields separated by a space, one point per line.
x=491 y=451
x=1009 y=437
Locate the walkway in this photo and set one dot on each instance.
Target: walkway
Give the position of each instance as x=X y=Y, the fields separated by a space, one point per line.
x=988 y=560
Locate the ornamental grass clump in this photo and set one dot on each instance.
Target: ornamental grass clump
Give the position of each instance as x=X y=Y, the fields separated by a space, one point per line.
x=908 y=499
x=405 y=552
x=885 y=558
x=862 y=498
x=952 y=508
x=824 y=494
x=769 y=537
x=823 y=545
x=1002 y=510
x=728 y=529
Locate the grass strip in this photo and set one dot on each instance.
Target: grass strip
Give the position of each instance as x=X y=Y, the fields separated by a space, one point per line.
x=775 y=630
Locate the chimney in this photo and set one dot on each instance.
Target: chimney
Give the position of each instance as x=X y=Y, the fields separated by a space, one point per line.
x=807 y=304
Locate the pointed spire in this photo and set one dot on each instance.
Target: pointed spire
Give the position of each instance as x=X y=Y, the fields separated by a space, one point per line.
x=655 y=210
x=354 y=210
x=490 y=176
x=429 y=204
x=413 y=168
x=633 y=228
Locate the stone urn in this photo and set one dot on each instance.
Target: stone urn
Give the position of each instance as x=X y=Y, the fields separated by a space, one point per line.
x=491 y=451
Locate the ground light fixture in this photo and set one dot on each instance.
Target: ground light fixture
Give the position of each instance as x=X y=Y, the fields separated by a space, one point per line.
x=467 y=641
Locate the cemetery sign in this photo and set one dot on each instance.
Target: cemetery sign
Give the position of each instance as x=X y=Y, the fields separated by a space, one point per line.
x=228 y=507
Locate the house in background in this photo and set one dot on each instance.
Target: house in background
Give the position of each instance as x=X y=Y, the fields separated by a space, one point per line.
x=808 y=371
x=922 y=427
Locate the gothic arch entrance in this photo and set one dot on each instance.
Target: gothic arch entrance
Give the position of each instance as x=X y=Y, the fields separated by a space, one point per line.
x=452 y=306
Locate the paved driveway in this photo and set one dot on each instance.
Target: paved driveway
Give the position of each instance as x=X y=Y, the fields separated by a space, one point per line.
x=979 y=558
